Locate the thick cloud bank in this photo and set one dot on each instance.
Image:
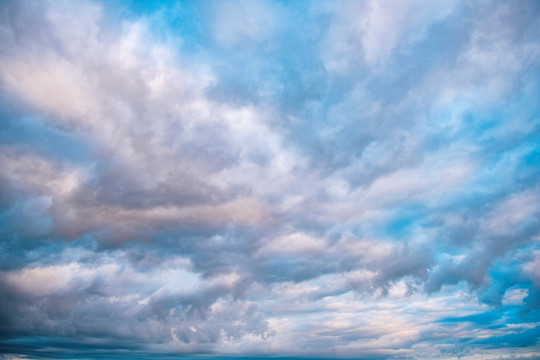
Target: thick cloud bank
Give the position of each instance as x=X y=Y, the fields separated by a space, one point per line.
x=337 y=179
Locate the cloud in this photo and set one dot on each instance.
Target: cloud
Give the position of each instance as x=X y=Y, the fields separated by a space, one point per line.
x=240 y=22
x=369 y=32
x=269 y=179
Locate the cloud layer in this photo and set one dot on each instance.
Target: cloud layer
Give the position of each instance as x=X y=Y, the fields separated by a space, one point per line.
x=258 y=178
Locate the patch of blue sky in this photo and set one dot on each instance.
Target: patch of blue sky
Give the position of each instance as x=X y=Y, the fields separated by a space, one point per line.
x=20 y=249
x=526 y=338
x=27 y=240
x=138 y=8
x=36 y=135
x=178 y=24
x=486 y=318
x=491 y=126
x=402 y=222
x=505 y=324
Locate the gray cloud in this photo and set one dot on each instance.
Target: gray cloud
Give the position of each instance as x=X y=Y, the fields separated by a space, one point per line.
x=268 y=179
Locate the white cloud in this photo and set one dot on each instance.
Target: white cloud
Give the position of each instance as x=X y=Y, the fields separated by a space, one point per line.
x=295 y=243
x=200 y=223
x=513 y=211
x=532 y=268
x=371 y=31
x=51 y=84
x=239 y=22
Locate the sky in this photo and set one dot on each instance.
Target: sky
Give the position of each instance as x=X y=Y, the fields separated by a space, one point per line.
x=269 y=179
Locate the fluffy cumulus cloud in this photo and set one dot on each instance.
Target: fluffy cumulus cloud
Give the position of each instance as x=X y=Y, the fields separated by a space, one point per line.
x=341 y=179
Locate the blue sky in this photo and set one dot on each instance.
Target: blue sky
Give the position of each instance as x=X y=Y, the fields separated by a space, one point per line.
x=250 y=179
